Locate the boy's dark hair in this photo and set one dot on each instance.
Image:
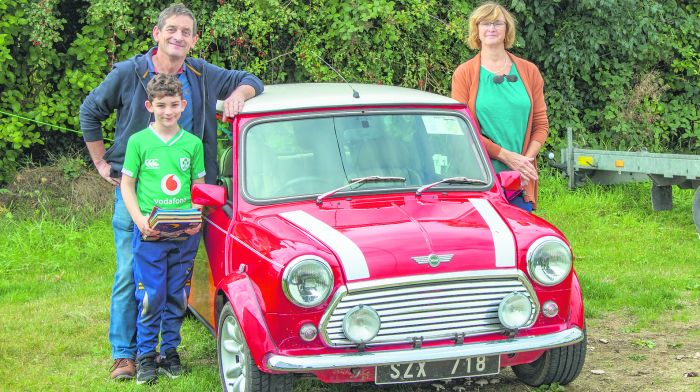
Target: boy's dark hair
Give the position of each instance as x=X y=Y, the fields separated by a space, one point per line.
x=176 y=10
x=164 y=85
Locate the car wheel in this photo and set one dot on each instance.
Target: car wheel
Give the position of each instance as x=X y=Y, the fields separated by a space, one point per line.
x=558 y=365
x=236 y=366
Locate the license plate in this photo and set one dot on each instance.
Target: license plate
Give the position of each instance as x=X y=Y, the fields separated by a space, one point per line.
x=436 y=370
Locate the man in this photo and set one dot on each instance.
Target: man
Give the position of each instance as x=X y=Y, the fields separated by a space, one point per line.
x=124 y=90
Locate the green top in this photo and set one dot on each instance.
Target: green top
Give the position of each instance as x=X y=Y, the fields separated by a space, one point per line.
x=164 y=169
x=503 y=110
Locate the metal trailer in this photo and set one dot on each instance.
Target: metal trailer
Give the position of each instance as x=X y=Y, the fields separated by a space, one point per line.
x=615 y=167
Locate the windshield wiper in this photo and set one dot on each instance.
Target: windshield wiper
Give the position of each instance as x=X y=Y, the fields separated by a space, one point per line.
x=360 y=180
x=451 y=180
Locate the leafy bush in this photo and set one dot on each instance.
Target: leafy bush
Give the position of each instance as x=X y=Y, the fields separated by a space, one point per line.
x=623 y=74
x=621 y=79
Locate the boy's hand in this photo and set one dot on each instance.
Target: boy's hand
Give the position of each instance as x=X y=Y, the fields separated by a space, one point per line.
x=145 y=228
x=193 y=230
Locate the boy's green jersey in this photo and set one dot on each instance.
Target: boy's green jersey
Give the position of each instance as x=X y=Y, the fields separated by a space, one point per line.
x=164 y=170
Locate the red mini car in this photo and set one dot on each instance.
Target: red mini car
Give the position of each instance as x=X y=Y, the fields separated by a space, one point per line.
x=360 y=234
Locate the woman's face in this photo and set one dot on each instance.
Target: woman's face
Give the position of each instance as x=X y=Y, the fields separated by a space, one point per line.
x=492 y=33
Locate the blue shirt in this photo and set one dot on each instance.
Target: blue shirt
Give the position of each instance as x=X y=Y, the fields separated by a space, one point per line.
x=185 y=121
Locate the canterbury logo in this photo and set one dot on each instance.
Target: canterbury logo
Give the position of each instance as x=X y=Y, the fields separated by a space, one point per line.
x=151 y=163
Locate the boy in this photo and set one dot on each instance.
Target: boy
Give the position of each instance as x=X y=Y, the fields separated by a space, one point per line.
x=165 y=160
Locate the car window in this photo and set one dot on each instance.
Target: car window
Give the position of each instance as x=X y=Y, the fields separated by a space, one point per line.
x=297 y=157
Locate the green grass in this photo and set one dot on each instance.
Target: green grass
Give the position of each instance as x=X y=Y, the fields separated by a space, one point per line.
x=54 y=310
x=629 y=258
x=55 y=280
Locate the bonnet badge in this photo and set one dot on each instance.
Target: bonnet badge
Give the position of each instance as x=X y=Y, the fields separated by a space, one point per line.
x=432 y=259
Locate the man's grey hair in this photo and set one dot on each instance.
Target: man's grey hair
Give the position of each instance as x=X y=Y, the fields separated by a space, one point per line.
x=176 y=9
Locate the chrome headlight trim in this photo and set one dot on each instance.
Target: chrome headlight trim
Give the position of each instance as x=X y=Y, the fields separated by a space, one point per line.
x=347 y=324
x=291 y=268
x=505 y=302
x=533 y=265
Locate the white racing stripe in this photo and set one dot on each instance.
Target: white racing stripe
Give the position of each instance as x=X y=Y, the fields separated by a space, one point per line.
x=350 y=255
x=503 y=241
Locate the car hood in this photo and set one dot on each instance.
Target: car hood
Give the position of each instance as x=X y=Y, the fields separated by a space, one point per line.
x=407 y=237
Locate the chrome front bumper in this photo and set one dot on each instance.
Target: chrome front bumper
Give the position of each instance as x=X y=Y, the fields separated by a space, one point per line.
x=368 y=359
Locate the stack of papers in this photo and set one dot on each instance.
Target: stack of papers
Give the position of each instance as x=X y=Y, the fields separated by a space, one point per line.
x=173 y=225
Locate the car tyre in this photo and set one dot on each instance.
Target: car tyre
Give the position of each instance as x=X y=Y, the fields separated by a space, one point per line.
x=237 y=370
x=558 y=365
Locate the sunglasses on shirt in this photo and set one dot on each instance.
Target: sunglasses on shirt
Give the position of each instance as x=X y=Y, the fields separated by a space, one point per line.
x=498 y=79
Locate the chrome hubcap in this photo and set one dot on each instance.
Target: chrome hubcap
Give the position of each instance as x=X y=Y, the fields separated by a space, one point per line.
x=234 y=360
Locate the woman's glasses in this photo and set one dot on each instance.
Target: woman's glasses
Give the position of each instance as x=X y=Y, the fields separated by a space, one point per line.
x=497 y=24
x=498 y=79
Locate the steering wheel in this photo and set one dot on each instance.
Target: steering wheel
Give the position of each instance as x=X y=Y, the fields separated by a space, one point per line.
x=413 y=177
x=303 y=184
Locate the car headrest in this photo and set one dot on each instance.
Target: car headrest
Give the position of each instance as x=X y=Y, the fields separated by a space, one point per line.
x=226 y=163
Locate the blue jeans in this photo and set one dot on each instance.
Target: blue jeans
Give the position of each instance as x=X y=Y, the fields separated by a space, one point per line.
x=520 y=202
x=124 y=308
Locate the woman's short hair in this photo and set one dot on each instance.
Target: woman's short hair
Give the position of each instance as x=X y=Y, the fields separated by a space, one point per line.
x=489 y=12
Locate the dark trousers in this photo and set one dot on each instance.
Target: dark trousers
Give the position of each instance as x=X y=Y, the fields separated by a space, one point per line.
x=162 y=275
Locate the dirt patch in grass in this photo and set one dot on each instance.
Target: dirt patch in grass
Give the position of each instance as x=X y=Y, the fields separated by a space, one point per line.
x=64 y=190
x=648 y=360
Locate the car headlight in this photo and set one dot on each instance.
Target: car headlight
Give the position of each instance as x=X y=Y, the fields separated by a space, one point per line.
x=307 y=281
x=549 y=261
x=361 y=324
x=515 y=311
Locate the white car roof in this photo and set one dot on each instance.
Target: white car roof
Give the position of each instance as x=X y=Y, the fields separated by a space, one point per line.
x=296 y=96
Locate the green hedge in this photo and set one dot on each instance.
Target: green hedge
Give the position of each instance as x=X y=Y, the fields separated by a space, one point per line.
x=624 y=74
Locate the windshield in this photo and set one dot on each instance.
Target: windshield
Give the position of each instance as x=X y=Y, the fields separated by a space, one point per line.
x=310 y=156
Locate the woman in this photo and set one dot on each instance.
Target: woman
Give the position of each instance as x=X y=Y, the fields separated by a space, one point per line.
x=506 y=93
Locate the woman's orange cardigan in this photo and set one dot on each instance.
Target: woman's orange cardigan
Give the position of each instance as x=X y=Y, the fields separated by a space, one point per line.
x=465 y=84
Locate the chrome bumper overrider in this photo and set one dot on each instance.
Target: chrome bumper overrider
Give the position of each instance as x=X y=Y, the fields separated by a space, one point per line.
x=367 y=359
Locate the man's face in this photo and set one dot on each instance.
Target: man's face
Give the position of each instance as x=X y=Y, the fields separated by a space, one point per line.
x=167 y=110
x=177 y=38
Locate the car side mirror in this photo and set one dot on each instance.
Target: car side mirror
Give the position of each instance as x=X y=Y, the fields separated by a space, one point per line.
x=510 y=181
x=208 y=195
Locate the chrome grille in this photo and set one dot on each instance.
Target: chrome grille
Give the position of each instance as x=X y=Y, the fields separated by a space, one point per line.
x=428 y=310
